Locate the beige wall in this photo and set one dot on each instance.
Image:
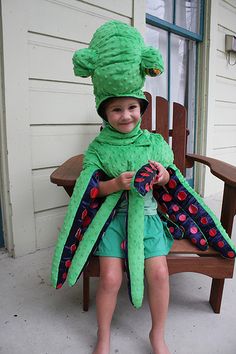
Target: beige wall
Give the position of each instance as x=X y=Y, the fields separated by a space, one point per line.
x=50 y=113
x=221 y=91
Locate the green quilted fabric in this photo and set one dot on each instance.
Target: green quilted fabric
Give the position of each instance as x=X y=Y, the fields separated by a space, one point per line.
x=118 y=61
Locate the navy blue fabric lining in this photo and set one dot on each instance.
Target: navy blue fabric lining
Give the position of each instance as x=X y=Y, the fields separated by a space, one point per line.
x=86 y=211
x=184 y=209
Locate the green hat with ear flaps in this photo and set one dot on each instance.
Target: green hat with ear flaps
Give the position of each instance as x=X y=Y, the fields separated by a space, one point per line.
x=118 y=61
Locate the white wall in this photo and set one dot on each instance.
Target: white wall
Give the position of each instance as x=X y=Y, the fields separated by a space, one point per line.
x=221 y=113
x=50 y=113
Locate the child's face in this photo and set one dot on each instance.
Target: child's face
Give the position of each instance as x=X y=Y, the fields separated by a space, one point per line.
x=123 y=113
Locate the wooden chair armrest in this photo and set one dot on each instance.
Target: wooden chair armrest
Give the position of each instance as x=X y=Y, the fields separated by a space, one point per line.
x=220 y=169
x=69 y=171
x=67 y=174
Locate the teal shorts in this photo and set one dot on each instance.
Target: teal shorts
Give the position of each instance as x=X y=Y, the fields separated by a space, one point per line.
x=157 y=239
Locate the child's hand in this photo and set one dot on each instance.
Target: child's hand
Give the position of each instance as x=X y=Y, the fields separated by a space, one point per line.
x=163 y=175
x=124 y=180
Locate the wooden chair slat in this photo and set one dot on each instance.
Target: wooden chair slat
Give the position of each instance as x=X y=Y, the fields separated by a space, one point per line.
x=147 y=117
x=162 y=117
x=213 y=267
x=179 y=137
x=186 y=247
x=228 y=208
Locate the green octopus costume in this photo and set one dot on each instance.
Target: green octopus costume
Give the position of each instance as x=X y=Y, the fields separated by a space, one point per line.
x=118 y=61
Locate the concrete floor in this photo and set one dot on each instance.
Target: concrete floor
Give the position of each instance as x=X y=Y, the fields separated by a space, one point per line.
x=36 y=319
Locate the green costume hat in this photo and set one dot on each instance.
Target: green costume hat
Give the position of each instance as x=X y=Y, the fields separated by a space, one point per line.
x=118 y=61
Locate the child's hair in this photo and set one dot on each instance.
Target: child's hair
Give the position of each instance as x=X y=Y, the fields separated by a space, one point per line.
x=102 y=108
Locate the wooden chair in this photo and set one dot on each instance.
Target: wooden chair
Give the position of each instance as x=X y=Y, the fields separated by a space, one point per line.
x=184 y=257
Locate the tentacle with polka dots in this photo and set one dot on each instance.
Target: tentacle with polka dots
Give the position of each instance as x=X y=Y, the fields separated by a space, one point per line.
x=186 y=208
x=82 y=210
x=144 y=181
x=93 y=235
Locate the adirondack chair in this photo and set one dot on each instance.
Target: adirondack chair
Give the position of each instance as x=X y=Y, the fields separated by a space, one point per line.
x=184 y=257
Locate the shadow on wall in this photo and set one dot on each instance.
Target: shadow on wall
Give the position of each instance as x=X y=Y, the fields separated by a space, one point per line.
x=1 y=230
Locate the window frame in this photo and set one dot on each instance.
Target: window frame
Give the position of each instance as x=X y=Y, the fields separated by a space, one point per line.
x=173 y=28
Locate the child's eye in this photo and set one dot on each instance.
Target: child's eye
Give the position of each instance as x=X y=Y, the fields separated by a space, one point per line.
x=133 y=106
x=116 y=109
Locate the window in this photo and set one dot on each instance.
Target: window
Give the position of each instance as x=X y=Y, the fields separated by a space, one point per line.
x=176 y=28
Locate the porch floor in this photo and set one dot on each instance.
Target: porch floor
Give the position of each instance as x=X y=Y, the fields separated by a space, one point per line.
x=37 y=319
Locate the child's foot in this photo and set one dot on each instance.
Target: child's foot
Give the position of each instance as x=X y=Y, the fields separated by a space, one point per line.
x=103 y=344
x=158 y=344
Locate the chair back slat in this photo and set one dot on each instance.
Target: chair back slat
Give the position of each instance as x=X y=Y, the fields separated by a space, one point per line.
x=147 y=117
x=179 y=135
x=162 y=110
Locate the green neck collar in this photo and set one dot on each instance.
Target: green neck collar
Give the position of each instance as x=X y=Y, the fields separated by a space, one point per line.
x=111 y=136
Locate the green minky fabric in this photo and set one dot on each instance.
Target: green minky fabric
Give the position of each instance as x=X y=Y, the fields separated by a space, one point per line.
x=118 y=61
x=114 y=153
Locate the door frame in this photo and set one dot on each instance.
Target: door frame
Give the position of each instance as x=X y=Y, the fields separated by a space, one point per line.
x=4 y=180
x=1 y=230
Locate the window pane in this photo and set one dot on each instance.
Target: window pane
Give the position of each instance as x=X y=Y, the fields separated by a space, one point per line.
x=157 y=86
x=160 y=8
x=188 y=15
x=183 y=78
x=192 y=64
x=179 y=61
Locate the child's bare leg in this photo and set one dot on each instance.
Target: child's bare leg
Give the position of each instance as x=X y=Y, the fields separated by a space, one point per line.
x=111 y=273
x=157 y=275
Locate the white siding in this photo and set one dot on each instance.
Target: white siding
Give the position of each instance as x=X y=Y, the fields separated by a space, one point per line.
x=221 y=128
x=55 y=111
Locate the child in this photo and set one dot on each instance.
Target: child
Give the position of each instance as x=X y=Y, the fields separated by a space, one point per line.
x=123 y=114
x=113 y=190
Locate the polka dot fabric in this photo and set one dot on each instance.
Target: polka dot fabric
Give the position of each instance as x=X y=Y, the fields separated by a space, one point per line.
x=83 y=217
x=186 y=209
x=145 y=178
x=85 y=222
